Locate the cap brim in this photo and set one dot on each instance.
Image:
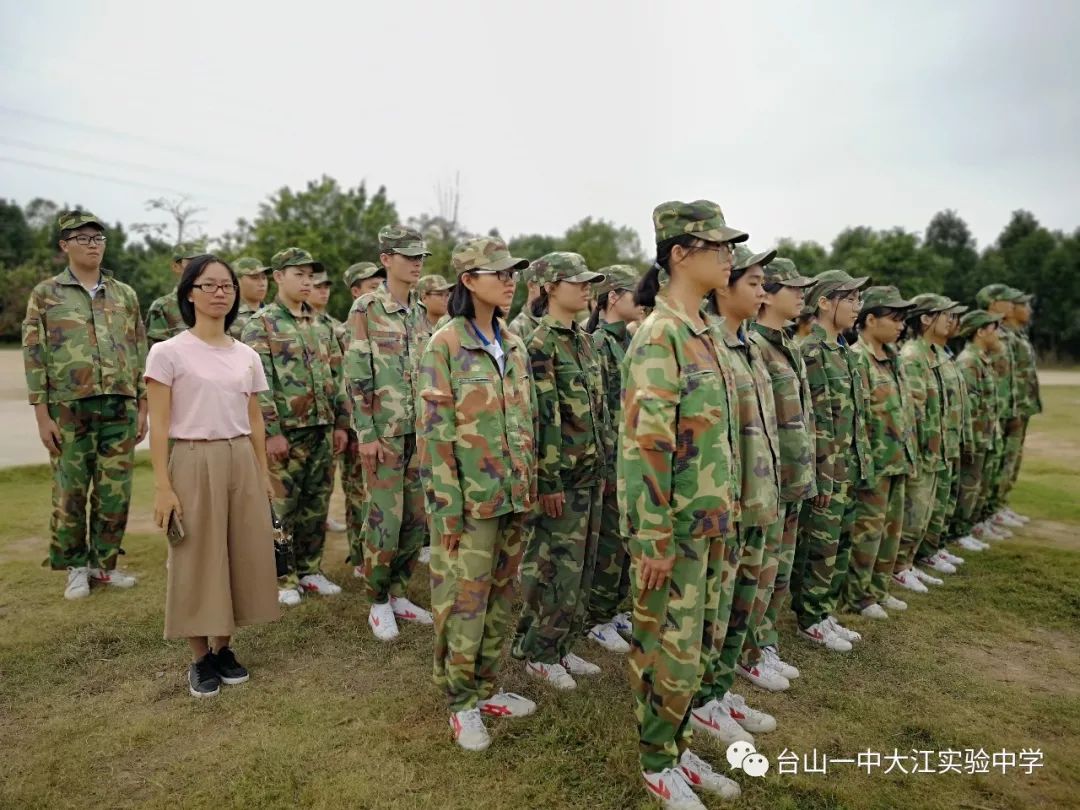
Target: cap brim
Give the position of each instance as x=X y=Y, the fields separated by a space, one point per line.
x=412 y=253
x=800 y=281
x=585 y=278
x=722 y=235
x=854 y=284
x=508 y=263
x=958 y=309
x=758 y=258
x=255 y=271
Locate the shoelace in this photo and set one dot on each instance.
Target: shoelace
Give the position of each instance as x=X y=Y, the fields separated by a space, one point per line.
x=204 y=669
x=471 y=720
x=676 y=784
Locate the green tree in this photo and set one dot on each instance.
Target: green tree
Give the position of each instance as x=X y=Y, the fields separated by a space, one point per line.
x=601 y=243
x=949 y=237
x=810 y=257
x=16 y=237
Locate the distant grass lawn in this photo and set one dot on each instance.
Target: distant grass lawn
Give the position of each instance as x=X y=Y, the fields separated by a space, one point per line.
x=94 y=711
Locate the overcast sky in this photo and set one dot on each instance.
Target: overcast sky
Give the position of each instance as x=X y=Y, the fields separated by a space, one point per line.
x=799 y=118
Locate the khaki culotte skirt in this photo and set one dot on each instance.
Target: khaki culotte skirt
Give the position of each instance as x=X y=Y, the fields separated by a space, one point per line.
x=222 y=574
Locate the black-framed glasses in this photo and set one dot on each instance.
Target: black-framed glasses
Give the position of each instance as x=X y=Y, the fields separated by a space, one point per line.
x=501 y=275
x=85 y=239
x=727 y=248
x=210 y=287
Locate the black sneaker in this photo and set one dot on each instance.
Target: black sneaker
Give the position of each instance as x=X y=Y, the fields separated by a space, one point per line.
x=228 y=668
x=203 y=680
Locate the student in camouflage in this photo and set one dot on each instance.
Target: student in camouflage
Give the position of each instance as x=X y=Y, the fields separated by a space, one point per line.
x=83 y=350
x=879 y=503
x=842 y=457
x=1026 y=380
x=254 y=282
x=305 y=416
x=433 y=298
x=163 y=319
x=679 y=504
x=784 y=293
x=476 y=434
x=526 y=320
x=615 y=310
x=381 y=367
x=572 y=457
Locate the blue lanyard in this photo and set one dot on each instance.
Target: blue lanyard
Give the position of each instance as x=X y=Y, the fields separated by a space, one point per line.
x=484 y=340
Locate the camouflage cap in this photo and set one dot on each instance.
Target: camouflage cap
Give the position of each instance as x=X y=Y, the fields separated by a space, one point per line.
x=249 y=266
x=996 y=292
x=76 y=218
x=1023 y=297
x=885 y=296
x=701 y=218
x=484 y=253
x=563 y=266
x=402 y=239
x=321 y=277
x=745 y=258
x=831 y=281
x=618 y=277
x=934 y=304
x=360 y=271
x=432 y=283
x=293 y=257
x=783 y=271
x=187 y=250
x=977 y=319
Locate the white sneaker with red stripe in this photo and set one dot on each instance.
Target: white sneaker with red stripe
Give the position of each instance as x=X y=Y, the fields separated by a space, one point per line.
x=774 y=661
x=114 y=578
x=821 y=633
x=78 y=583
x=469 y=731
x=318 y=583
x=670 y=788
x=925 y=578
x=1016 y=516
x=699 y=774
x=761 y=674
x=506 y=704
x=751 y=720
x=576 y=665
x=715 y=720
x=555 y=674
x=847 y=634
x=949 y=557
x=1001 y=527
x=937 y=564
x=907 y=579
x=892 y=603
x=969 y=543
x=358 y=571
x=874 y=611
x=1003 y=518
x=404 y=609
x=382 y=622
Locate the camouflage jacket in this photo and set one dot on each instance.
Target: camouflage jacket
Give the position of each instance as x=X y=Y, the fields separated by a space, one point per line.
x=524 y=323
x=243 y=315
x=759 y=447
x=302 y=363
x=1004 y=372
x=956 y=411
x=163 y=319
x=610 y=341
x=575 y=433
x=381 y=366
x=918 y=364
x=679 y=468
x=978 y=373
x=1025 y=370
x=76 y=347
x=888 y=414
x=476 y=428
x=838 y=394
x=794 y=414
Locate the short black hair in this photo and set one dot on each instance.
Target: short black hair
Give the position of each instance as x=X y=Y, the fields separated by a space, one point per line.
x=67 y=233
x=196 y=267
x=461 y=302
x=877 y=312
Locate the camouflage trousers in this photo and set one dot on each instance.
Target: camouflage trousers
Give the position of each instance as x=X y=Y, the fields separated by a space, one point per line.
x=821 y=556
x=971 y=489
x=1010 y=464
x=945 y=496
x=302 y=485
x=727 y=645
x=775 y=583
x=919 y=494
x=472 y=589
x=674 y=631
x=875 y=542
x=556 y=577
x=1020 y=451
x=395 y=525
x=352 y=484
x=95 y=464
x=611 y=578
x=988 y=491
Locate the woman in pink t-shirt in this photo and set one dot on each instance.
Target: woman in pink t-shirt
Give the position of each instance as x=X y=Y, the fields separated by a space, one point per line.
x=212 y=491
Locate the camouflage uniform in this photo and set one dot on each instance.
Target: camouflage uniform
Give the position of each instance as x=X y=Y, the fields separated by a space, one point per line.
x=794 y=429
x=572 y=457
x=305 y=404
x=1026 y=381
x=998 y=469
x=381 y=367
x=879 y=503
x=678 y=481
x=84 y=354
x=524 y=323
x=611 y=577
x=476 y=434
x=245 y=266
x=842 y=456
x=163 y=319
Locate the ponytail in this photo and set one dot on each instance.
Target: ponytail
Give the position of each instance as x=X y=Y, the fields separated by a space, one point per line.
x=649 y=286
x=594 y=318
x=540 y=305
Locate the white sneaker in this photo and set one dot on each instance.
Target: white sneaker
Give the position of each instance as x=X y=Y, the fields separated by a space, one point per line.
x=892 y=603
x=358 y=571
x=114 y=578
x=907 y=579
x=555 y=674
x=576 y=665
x=425 y=556
x=715 y=720
x=760 y=674
x=772 y=656
x=404 y=609
x=995 y=532
x=335 y=525
x=1003 y=518
x=751 y=720
x=925 y=578
x=623 y=624
x=1016 y=516
x=823 y=634
x=608 y=637
x=874 y=611
x=382 y=622
x=1001 y=528
x=935 y=563
x=969 y=543
x=469 y=731
x=506 y=704
x=317 y=583
x=950 y=558
x=844 y=632
x=670 y=788
x=78 y=583
x=289 y=597
x=699 y=774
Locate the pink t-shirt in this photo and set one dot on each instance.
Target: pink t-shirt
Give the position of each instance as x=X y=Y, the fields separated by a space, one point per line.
x=210 y=386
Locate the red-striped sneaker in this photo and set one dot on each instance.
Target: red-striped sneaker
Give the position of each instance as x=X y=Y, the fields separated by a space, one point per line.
x=404 y=609
x=699 y=774
x=670 y=788
x=468 y=729
x=114 y=578
x=506 y=704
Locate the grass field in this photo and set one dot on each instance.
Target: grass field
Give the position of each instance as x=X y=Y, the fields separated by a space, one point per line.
x=94 y=710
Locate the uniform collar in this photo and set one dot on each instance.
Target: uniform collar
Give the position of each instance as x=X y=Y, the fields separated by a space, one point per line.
x=554 y=324
x=618 y=329
x=306 y=312
x=668 y=306
x=467 y=338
